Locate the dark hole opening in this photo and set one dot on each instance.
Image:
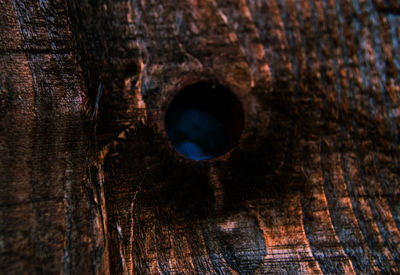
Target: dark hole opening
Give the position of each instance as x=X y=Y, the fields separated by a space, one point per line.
x=204 y=121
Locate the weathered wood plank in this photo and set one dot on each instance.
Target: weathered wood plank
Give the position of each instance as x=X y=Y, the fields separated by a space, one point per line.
x=90 y=183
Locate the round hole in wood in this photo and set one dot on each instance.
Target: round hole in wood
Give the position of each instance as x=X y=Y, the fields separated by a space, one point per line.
x=204 y=121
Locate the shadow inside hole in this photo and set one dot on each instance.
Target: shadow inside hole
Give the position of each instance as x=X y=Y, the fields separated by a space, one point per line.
x=204 y=121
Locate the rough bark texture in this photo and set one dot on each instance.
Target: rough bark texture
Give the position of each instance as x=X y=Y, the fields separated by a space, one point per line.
x=91 y=184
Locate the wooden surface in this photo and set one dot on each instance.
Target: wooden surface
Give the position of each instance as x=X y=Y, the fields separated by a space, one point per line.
x=90 y=184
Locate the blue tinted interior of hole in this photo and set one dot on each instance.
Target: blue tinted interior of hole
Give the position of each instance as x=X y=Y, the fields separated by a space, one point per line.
x=196 y=134
x=204 y=121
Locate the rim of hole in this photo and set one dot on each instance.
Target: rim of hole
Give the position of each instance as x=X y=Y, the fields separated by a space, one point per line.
x=213 y=117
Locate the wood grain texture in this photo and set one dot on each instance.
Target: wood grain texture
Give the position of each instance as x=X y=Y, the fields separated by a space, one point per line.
x=91 y=184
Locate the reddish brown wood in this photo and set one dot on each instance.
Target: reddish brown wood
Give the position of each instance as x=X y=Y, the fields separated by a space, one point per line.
x=90 y=183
